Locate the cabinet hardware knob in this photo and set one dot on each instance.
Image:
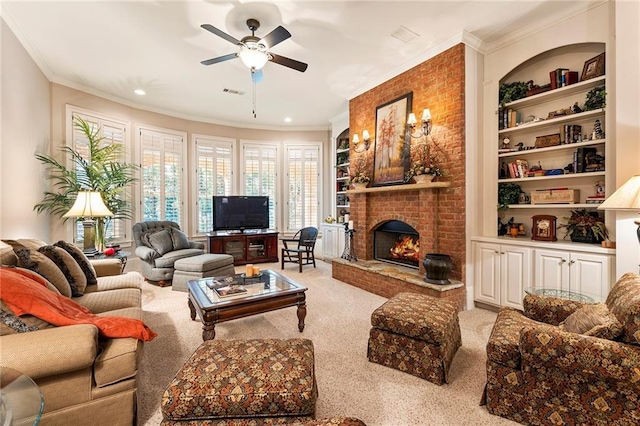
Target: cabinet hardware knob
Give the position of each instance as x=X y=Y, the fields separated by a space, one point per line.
x=562 y=261
x=496 y=252
x=501 y=252
x=572 y=262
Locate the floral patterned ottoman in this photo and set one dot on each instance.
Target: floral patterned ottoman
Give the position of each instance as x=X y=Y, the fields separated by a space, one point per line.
x=243 y=380
x=416 y=334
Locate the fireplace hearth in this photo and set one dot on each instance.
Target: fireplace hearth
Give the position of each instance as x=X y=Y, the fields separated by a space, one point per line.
x=398 y=243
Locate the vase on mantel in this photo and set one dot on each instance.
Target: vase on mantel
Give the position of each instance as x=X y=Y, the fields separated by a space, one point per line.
x=357 y=185
x=423 y=178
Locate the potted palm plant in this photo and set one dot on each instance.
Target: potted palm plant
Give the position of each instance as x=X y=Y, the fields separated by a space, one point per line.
x=98 y=170
x=584 y=226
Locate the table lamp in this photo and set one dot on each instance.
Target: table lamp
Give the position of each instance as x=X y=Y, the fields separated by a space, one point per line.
x=627 y=197
x=88 y=205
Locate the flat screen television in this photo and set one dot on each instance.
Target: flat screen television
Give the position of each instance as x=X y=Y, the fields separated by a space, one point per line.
x=239 y=212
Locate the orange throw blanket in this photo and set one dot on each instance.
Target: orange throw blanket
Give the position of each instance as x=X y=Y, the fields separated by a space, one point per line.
x=27 y=296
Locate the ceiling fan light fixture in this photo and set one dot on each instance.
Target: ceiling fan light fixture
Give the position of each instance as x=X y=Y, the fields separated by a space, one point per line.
x=253 y=57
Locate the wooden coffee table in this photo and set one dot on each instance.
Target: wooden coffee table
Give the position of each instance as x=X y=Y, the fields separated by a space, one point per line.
x=268 y=292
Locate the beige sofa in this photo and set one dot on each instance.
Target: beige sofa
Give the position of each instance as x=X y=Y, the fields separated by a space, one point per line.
x=85 y=379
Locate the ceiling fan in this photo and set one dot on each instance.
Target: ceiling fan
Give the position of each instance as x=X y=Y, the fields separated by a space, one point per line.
x=254 y=51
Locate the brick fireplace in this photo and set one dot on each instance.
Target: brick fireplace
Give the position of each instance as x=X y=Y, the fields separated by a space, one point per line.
x=417 y=206
x=438 y=211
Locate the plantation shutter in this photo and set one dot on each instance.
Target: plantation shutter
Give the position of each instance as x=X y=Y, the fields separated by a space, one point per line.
x=214 y=176
x=112 y=133
x=303 y=173
x=260 y=174
x=162 y=176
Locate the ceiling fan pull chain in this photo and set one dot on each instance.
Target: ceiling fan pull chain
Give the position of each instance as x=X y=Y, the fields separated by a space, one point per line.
x=254 y=100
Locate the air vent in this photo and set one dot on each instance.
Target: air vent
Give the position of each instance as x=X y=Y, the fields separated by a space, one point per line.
x=233 y=92
x=404 y=34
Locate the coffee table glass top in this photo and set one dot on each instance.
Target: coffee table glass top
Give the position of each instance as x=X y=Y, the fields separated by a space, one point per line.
x=20 y=397
x=564 y=294
x=223 y=290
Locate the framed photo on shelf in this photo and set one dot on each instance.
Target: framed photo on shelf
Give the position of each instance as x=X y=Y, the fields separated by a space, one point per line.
x=391 y=155
x=593 y=68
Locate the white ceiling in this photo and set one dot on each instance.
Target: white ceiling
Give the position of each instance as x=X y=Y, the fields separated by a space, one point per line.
x=110 y=48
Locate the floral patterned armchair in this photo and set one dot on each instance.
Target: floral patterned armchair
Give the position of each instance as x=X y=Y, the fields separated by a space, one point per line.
x=562 y=362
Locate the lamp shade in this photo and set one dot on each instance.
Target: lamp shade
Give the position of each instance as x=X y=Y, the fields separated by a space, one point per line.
x=412 y=119
x=356 y=139
x=88 y=204
x=365 y=135
x=426 y=114
x=627 y=197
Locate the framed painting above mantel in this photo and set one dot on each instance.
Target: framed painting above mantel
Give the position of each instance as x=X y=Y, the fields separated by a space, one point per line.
x=391 y=155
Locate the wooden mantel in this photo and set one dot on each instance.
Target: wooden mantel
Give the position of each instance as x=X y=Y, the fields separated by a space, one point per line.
x=396 y=188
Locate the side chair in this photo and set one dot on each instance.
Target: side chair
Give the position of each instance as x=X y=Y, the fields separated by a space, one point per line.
x=302 y=253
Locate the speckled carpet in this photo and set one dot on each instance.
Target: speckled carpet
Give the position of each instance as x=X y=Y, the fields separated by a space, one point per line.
x=338 y=322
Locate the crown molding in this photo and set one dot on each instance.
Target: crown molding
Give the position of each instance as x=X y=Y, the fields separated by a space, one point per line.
x=462 y=37
x=540 y=25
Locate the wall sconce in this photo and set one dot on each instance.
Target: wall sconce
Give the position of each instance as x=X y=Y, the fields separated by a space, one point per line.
x=364 y=145
x=426 y=124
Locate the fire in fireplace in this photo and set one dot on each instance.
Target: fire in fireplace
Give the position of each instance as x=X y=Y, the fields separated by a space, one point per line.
x=397 y=242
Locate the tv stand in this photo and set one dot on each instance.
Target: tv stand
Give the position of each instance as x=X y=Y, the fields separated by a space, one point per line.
x=245 y=247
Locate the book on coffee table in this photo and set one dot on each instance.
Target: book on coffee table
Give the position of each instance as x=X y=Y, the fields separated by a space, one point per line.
x=229 y=290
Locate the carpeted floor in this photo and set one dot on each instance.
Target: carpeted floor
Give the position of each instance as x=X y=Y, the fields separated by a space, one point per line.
x=338 y=322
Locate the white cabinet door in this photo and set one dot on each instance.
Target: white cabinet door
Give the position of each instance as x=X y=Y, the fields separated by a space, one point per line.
x=590 y=274
x=486 y=259
x=340 y=235
x=551 y=269
x=329 y=242
x=515 y=274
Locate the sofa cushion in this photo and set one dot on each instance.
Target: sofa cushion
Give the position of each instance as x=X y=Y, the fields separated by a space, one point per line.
x=170 y=258
x=82 y=260
x=131 y=279
x=104 y=301
x=624 y=302
x=41 y=264
x=36 y=277
x=68 y=266
x=593 y=320
x=118 y=358
x=179 y=239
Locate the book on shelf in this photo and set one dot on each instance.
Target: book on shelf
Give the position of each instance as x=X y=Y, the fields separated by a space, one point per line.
x=518 y=168
x=571 y=133
x=595 y=200
x=583 y=157
x=561 y=77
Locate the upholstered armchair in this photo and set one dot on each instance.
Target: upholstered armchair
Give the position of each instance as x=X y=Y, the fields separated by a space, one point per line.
x=565 y=362
x=158 y=245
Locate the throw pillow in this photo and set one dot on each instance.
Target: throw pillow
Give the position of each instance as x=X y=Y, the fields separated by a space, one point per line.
x=77 y=254
x=161 y=241
x=36 y=277
x=12 y=324
x=41 y=264
x=179 y=239
x=593 y=320
x=56 y=257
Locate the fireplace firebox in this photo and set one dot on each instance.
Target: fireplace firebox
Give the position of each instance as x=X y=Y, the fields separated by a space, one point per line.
x=397 y=242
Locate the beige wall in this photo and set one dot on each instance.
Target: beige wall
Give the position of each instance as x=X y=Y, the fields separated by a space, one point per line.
x=61 y=96
x=26 y=98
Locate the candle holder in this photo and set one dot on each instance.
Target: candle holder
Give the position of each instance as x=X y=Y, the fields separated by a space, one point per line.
x=349 y=251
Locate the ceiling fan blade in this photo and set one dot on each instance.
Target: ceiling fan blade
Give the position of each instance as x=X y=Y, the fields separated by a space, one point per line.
x=256 y=76
x=219 y=59
x=287 y=62
x=276 y=36
x=220 y=33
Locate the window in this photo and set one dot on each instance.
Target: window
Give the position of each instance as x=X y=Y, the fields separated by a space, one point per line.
x=214 y=176
x=303 y=180
x=162 y=182
x=112 y=132
x=260 y=167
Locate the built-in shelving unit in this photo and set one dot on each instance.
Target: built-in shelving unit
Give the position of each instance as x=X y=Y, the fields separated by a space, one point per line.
x=342 y=173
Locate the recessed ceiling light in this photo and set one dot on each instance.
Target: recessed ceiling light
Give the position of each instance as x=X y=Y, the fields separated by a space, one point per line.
x=139 y=92
x=287 y=120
